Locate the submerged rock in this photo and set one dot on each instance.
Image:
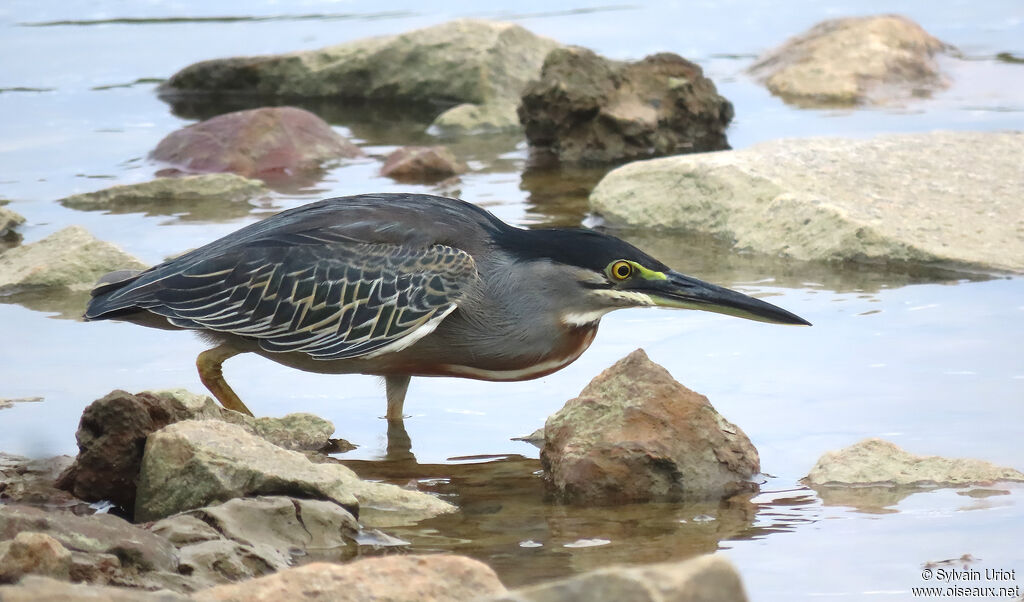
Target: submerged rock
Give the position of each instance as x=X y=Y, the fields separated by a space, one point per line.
x=170 y=194
x=710 y=578
x=269 y=142
x=70 y=258
x=879 y=462
x=440 y=577
x=854 y=60
x=483 y=63
x=422 y=164
x=635 y=434
x=194 y=463
x=469 y=118
x=950 y=197
x=113 y=430
x=588 y=109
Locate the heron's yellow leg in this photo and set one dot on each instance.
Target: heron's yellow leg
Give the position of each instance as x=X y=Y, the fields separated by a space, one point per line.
x=209 y=364
x=396 y=386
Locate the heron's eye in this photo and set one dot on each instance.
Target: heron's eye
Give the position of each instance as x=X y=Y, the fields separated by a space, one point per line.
x=620 y=270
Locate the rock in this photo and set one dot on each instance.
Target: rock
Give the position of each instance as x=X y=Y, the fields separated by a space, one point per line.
x=245 y=538
x=854 y=60
x=113 y=430
x=219 y=561
x=469 y=118
x=878 y=462
x=709 y=578
x=33 y=553
x=384 y=579
x=465 y=61
x=170 y=195
x=8 y=221
x=269 y=142
x=422 y=164
x=588 y=109
x=70 y=258
x=111 y=436
x=35 y=589
x=949 y=197
x=137 y=550
x=194 y=463
x=635 y=434
x=31 y=482
x=279 y=527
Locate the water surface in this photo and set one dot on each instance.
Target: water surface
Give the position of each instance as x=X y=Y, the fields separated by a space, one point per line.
x=929 y=359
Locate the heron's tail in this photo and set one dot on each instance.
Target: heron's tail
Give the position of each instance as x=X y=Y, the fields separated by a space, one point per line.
x=99 y=307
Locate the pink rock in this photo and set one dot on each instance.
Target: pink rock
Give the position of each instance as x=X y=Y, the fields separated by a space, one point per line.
x=421 y=164
x=264 y=142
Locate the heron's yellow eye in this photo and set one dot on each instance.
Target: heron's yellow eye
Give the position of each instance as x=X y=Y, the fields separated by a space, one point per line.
x=620 y=270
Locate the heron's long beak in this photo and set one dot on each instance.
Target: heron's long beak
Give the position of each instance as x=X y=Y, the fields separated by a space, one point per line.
x=682 y=291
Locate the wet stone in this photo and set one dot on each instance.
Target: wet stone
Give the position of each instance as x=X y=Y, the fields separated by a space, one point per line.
x=589 y=109
x=877 y=59
x=422 y=164
x=71 y=258
x=171 y=194
x=635 y=434
x=879 y=462
x=270 y=142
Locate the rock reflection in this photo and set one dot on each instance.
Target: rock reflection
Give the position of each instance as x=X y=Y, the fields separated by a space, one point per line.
x=62 y=303
x=503 y=504
x=558 y=196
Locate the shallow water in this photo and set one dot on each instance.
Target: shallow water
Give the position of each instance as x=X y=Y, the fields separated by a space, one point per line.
x=929 y=359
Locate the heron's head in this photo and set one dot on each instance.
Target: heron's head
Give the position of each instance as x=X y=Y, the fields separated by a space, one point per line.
x=605 y=273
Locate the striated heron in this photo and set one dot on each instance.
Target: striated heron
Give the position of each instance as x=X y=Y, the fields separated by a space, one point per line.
x=402 y=285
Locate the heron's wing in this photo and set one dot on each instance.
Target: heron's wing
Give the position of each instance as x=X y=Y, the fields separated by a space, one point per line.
x=330 y=298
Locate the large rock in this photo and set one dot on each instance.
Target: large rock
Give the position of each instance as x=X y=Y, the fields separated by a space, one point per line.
x=113 y=430
x=465 y=61
x=422 y=164
x=194 y=463
x=70 y=258
x=854 y=60
x=951 y=197
x=387 y=579
x=195 y=194
x=588 y=109
x=879 y=462
x=709 y=578
x=635 y=434
x=269 y=142
x=37 y=589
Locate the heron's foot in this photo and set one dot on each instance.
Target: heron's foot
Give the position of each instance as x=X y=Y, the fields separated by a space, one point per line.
x=397 y=386
x=399 y=442
x=210 y=372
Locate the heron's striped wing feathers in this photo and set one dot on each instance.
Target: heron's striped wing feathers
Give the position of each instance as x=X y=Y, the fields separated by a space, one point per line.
x=332 y=301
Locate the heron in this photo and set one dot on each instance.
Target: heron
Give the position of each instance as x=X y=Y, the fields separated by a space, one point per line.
x=401 y=285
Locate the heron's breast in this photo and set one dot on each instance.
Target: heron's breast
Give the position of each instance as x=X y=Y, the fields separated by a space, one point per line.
x=567 y=348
